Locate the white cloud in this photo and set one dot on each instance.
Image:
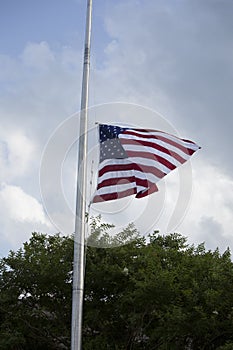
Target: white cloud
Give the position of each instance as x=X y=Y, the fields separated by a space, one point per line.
x=40 y=89
x=20 y=214
x=210 y=214
x=8 y=69
x=38 y=56
x=174 y=57
x=38 y=95
x=18 y=154
x=19 y=206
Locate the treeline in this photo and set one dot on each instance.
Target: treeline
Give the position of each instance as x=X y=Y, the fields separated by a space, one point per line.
x=159 y=294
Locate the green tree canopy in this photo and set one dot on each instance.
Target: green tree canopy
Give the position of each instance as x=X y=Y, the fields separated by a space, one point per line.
x=155 y=294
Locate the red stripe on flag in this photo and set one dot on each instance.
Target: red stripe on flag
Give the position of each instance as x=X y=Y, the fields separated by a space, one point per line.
x=152 y=156
x=148 y=191
x=125 y=180
x=132 y=166
x=115 y=195
x=164 y=139
x=154 y=146
x=116 y=181
x=149 y=131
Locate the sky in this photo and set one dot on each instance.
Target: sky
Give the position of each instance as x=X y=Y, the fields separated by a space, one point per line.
x=165 y=65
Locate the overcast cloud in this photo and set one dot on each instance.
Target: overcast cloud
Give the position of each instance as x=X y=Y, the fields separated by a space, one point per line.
x=175 y=57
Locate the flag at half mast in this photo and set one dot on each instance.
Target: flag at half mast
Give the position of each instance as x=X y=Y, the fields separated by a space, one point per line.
x=132 y=161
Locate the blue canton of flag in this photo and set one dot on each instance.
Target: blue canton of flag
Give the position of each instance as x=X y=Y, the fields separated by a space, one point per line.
x=110 y=146
x=107 y=132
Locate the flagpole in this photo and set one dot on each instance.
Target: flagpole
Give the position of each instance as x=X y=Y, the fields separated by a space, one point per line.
x=79 y=235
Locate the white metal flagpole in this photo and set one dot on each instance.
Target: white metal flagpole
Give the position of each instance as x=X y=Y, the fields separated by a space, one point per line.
x=79 y=236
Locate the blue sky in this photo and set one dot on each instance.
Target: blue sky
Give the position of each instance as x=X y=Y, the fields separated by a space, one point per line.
x=32 y=21
x=172 y=57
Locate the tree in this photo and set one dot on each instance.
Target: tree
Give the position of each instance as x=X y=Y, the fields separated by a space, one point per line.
x=155 y=294
x=35 y=284
x=172 y=297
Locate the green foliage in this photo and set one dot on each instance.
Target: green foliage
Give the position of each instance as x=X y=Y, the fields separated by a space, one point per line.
x=157 y=294
x=100 y=234
x=227 y=346
x=35 y=284
x=172 y=296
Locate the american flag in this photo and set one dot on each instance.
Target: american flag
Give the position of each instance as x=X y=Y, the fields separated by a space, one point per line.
x=132 y=161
